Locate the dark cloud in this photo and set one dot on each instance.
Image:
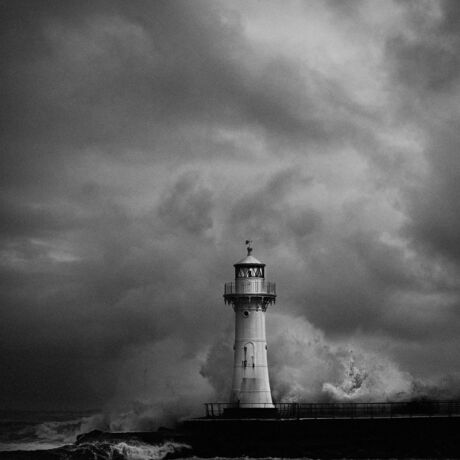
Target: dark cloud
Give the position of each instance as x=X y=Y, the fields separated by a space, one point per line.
x=427 y=65
x=187 y=207
x=428 y=61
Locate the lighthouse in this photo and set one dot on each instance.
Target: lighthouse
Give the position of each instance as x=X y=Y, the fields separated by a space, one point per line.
x=250 y=295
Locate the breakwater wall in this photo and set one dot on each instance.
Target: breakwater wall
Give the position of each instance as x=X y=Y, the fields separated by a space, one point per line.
x=401 y=437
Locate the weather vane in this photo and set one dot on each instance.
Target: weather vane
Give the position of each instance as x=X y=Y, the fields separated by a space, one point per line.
x=249 y=247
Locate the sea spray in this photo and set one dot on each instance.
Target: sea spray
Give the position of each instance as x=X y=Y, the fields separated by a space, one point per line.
x=63 y=432
x=26 y=432
x=305 y=365
x=370 y=377
x=129 y=449
x=141 y=451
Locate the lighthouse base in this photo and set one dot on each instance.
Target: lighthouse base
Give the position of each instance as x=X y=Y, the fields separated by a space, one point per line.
x=250 y=412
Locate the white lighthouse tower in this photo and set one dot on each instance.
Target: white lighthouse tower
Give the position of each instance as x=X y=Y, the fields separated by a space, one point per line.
x=250 y=296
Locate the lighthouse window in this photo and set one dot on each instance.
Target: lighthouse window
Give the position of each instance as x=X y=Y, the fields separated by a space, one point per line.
x=249 y=272
x=245 y=313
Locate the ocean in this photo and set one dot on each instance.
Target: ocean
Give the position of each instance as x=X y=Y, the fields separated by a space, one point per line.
x=29 y=430
x=43 y=435
x=51 y=435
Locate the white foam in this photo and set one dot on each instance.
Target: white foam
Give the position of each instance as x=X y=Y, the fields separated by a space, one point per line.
x=141 y=451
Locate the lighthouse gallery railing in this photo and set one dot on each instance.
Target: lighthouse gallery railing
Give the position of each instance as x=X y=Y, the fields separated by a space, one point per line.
x=351 y=410
x=248 y=286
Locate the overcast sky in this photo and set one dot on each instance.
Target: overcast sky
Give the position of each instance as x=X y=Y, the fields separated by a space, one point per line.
x=143 y=142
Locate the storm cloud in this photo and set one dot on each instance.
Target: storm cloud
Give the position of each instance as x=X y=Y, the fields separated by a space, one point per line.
x=144 y=142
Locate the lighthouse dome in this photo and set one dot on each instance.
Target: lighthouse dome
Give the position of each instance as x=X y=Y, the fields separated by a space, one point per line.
x=249 y=260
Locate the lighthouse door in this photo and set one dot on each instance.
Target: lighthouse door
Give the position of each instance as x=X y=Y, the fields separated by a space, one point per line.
x=251 y=386
x=248 y=356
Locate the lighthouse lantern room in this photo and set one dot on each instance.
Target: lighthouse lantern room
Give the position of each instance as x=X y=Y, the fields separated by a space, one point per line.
x=250 y=294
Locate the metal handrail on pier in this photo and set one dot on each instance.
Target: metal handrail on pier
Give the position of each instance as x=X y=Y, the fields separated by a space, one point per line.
x=348 y=410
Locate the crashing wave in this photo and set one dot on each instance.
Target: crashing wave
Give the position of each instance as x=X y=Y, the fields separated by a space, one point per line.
x=106 y=450
x=142 y=451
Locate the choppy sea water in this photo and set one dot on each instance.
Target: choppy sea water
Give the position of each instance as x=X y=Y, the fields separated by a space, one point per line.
x=28 y=430
x=44 y=435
